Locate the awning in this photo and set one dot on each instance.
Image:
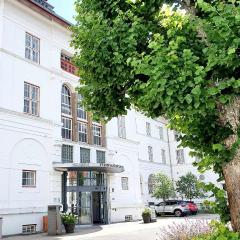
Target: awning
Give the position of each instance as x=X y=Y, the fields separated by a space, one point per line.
x=98 y=167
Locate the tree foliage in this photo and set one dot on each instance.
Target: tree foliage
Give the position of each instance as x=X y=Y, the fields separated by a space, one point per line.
x=163 y=187
x=163 y=62
x=189 y=187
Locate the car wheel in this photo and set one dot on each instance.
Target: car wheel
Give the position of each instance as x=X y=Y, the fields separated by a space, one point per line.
x=178 y=213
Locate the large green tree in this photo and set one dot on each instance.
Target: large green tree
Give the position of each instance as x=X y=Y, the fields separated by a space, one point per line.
x=183 y=65
x=163 y=187
x=189 y=187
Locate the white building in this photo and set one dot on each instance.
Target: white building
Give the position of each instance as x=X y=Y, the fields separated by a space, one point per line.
x=51 y=151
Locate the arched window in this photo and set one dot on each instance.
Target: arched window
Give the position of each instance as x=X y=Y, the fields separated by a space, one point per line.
x=66 y=100
x=150 y=183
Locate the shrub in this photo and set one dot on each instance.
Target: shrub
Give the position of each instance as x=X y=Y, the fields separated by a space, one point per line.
x=218 y=232
x=68 y=218
x=185 y=230
x=146 y=212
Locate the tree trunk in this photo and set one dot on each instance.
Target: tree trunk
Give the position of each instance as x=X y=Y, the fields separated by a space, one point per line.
x=231 y=173
x=230 y=114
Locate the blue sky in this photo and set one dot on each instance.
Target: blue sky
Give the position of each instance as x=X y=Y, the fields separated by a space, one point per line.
x=64 y=8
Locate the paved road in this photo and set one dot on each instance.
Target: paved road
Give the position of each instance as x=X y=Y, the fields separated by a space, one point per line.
x=119 y=231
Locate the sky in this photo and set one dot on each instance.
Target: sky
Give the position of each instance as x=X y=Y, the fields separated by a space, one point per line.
x=64 y=8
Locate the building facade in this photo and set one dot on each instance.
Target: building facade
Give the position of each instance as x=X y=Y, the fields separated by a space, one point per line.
x=52 y=152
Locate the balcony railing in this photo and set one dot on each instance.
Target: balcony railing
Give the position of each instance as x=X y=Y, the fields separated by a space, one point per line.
x=68 y=67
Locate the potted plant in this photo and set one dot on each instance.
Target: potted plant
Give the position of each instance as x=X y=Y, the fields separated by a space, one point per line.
x=69 y=221
x=146 y=215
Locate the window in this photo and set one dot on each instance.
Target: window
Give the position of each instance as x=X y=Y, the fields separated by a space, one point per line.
x=150 y=153
x=66 y=64
x=32 y=48
x=84 y=155
x=82 y=132
x=31 y=99
x=124 y=183
x=163 y=153
x=97 y=135
x=67 y=154
x=121 y=127
x=28 y=178
x=29 y=229
x=66 y=128
x=81 y=113
x=100 y=156
x=176 y=135
x=150 y=183
x=161 y=133
x=148 y=129
x=66 y=100
x=180 y=156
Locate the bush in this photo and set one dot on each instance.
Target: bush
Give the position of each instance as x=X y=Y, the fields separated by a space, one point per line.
x=146 y=212
x=185 y=230
x=218 y=232
x=68 y=218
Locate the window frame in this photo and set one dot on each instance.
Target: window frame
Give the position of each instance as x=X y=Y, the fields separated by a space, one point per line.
x=67 y=129
x=89 y=151
x=99 y=137
x=31 y=48
x=34 y=179
x=30 y=100
x=81 y=108
x=124 y=187
x=121 y=126
x=63 y=96
x=163 y=155
x=69 y=154
x=150 y=153
x=104 y=153
x=148 y=129
x=161 y=133
x=180 y=160
x=85 y=134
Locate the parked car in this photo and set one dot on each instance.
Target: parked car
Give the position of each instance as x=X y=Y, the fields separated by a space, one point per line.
x=176 y=207
x=192 y=207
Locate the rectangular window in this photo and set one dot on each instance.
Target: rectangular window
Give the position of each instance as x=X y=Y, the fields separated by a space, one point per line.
x=124 y=183
x=67 y=153
x=163 y=153
x=66 y=128
x=84 y=155
x=180 y=156
x=29 y=229
x=148 y=129
x=32 y=48
x=100 y=156
x=67 y=65
x=161 y=133
x=176 y=135
x=31 y=99
x=82 y=132
x=28 y=178
x=97 y=135
x=81 y=113
x=121 y=127
x=150 y=153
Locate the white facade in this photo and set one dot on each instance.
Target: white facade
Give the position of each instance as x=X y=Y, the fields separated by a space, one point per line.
x=34 y=142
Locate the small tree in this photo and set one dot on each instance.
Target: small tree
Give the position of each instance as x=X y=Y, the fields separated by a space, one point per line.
x=163 y=187
x=188 y=187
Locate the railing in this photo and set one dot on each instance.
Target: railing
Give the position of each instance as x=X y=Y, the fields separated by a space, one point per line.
x=68 y=67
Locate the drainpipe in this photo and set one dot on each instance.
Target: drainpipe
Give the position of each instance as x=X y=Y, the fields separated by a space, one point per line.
x=170 y=157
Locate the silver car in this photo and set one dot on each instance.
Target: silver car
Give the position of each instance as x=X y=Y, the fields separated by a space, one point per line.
x=175 y=207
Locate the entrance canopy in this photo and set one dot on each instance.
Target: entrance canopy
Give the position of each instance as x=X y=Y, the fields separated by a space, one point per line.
x=98 y=167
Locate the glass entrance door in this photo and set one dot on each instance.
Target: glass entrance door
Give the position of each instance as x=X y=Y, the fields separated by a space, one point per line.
x=85 y=208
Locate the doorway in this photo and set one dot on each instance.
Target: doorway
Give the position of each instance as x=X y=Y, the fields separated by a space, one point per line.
x=97 y=207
